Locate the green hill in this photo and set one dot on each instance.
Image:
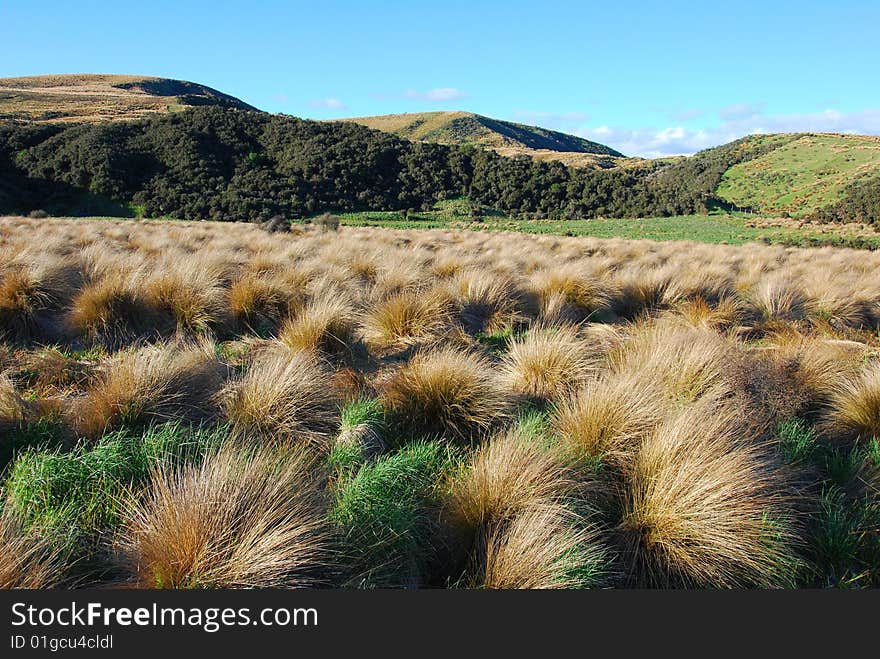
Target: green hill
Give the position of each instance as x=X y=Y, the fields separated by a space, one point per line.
x=802 y=173
x=505 y=137
x=90 y=98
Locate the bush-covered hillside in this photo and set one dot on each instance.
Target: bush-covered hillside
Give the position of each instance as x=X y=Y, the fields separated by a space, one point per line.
x=230 y=164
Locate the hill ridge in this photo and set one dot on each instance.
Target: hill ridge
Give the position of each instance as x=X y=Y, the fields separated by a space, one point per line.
x=94 y=97
x=506 y=137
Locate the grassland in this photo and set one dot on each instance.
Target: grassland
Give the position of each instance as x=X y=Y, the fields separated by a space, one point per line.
x=717 y=228
x=89 y=98
x=809 y=172
x=202 y=405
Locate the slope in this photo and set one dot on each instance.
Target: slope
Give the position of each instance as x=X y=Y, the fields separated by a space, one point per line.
x=90 y=98
x=505 y=137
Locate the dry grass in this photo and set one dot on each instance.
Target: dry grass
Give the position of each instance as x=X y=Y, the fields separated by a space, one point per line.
x=531 y=552
x=28 y=558
x=605 y=418
x=638 y=364
x=258 y=304
x=854 y=405
x=326 y=325
x=283 y=396
x=241 y=519
x=707 y=504
x=406 y=318
x=549 y=363
x=152 y=383
x=446 y=392
x=114 y=310
x=506 y=476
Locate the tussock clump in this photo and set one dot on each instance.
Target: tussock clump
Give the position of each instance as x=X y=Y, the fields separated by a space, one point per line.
x=509 y=523
x=325 y=325
x=28 y=558
x=605 y=418
x=250 y=518
x=506 y=476
x=548 y=363
x=779 y=298
x=50 y=371
x=707 y=505
x=487 y=302
x=406 y=318
x=445 y=392
x=542 y=548
x=386 y=516
x=720 y=316
x=152 y=383
x=13 y=409
x=114 y=310
x=31 y=294
x=686 y=363
x=567 y=290
x=854 y=406
x=284 y=395
x=258 y=304
x=190 y=293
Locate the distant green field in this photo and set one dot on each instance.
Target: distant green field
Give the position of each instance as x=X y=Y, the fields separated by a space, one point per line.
x=729 y=229
x=803 y=174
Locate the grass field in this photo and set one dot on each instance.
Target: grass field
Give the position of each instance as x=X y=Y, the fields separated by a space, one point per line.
x=730 y=229
x=211 y=405
x=803 y=174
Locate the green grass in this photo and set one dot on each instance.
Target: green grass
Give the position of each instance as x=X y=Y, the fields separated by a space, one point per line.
x=801 y=175
x=84 y=488
x=721 y=228
x=843 y=545
x=47 y=433
x=381 y=511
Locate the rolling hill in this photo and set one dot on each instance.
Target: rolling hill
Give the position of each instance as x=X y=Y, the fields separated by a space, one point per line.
x=90 y=98
x=804 y=172
x=504 y=137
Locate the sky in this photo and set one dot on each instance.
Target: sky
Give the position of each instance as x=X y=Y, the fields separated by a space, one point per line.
x=647 y=78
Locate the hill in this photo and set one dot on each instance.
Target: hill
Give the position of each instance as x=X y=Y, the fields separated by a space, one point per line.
x=802 y=173
x=90 y=98
x=222 y=162
x=504 y=137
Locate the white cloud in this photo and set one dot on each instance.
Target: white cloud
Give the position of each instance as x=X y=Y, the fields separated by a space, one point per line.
x=438 y=95
x=679 y=140
x=327 y=103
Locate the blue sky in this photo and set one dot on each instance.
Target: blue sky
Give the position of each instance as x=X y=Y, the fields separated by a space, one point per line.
x=649 y=78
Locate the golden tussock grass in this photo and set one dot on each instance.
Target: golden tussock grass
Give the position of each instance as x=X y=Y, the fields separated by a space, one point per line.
x=853 y=409
x=548 y=363
x=28 y=558
x=149 y=384
x=325 y=325
x=258 y=304
x=284 y=395
x=244 y=518
x=446 y=392
x=707 y=504
x=406 y=318
x=605 y=418
x=535 y=549
x=507 y=475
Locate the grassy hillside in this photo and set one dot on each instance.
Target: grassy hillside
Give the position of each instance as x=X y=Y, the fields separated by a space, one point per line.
x=803 y=173
x=507 y=138
x=98 y=97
